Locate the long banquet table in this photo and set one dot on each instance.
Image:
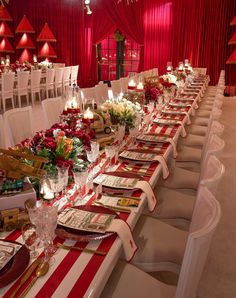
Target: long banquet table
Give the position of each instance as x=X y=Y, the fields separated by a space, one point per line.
x=81 y=274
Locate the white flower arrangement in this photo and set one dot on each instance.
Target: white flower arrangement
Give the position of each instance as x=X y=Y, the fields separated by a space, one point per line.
x=122 y=110
x=170 y=78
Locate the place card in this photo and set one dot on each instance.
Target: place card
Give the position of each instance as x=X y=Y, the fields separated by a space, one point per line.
x=85 y=220
x=138 y=156
x=116 y=182
x=119 y=201
x=7 y=251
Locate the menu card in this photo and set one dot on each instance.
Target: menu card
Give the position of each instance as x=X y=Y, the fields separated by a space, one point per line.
x=85 y=220
x=7 y=251
x=165 y=121
x=116 y=182
x=119 y=201
x=151 y=138
x=139 y=156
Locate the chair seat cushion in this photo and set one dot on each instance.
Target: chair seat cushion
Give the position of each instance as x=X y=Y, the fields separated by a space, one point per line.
x=192 y=140
x=197 y=130
x=189 y=154
x=173 y=204
x=127 y=280
x=157 y=243
x=181 y=179
x=206 y=107
x=200 y=121
x=203 y=113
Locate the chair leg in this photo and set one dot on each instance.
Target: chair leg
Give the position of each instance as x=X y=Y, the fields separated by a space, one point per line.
x=12 y=101
x=19 y=100
x=27 y=99
x=32 y=98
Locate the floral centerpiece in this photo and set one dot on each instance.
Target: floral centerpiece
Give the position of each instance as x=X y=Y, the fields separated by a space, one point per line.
x=61 y=145
x=122 y=111
x=152 y=89
x=168 y=82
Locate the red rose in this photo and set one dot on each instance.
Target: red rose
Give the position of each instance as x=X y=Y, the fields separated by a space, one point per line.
x=50 y=143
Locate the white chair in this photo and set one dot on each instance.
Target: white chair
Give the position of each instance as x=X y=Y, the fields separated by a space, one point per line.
x=128 y=281
x=101 y=93
x=176 y=206
x=7 y=89
x=66 y=77
x=52 y=109
x=18 y=124
x=74 y=74
x=49 y=82
x=182 y=178
x=35 y=88
x=201 y=70
x=58 y=80
x=88 y=96
x=22 y=86
x=124 y=84
x=2 y=133
x=116 y=87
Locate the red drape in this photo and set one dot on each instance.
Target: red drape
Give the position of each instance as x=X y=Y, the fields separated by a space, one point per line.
x=169 y=30
x=195 y=29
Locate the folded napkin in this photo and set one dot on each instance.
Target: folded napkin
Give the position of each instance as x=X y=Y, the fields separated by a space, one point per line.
x=179 y=113
x=166 y=122
x=159 y=158
x=133 y=184
x=123 y=230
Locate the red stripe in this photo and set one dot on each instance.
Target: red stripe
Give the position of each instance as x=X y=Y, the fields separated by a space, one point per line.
x=59 y=274
x=83 y=282
x=14 y=235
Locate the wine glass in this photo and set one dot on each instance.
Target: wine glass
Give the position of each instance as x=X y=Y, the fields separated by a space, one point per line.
x=30 y=237
x=80 y=178
x=64 y=177
x=110 y=153
x=46 y=228
x=92 y=157
x=55 y=182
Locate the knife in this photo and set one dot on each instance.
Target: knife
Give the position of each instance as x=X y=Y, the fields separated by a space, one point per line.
x=25 y=276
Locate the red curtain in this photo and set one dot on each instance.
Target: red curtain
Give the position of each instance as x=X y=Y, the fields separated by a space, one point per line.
x=68 y=23
x=129 y=19
x=102 y=27
x=169 y=30
x=195 y=29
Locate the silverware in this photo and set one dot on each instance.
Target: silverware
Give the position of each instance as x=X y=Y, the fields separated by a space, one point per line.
x=121 y=196
x=139 y=171
x=68 y=247
x=41 y=271
x=114 y=208
x=25 y=276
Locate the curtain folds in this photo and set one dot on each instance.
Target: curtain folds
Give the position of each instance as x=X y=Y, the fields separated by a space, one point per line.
x=167 y=30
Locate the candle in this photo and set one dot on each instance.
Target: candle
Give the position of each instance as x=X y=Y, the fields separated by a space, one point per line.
x=49 y=195
x=140 y=86
x=73 y=103
x=132 y=83
x=88 y=114
x=35 y=58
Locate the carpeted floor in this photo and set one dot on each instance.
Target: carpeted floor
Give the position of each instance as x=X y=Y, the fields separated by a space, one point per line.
x=219 y=277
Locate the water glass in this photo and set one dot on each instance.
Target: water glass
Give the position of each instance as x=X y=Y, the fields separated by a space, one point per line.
x=110 y=152
x=30 y=237
x=80 y=179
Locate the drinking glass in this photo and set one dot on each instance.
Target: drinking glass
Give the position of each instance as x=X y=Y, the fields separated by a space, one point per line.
x=46 y=228
x=80 y=178
x=110 y=153
x=55 y=182
x=64 y=176
x=30 y=237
